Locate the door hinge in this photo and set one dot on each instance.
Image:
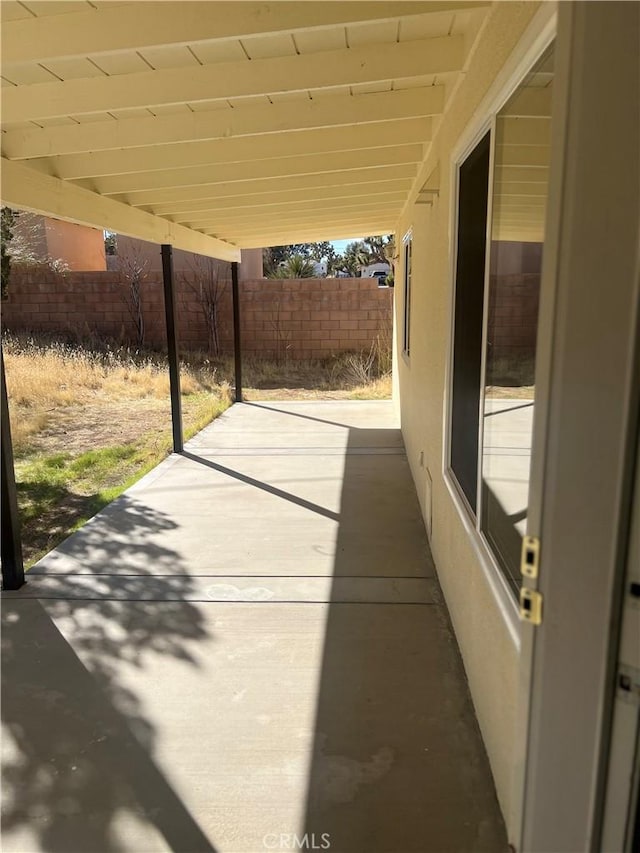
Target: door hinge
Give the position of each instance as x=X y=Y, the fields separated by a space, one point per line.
x=530 y=557
x=530 y=606
x=629 y=684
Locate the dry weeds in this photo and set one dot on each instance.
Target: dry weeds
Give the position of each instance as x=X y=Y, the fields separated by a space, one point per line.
x=107 y=411
x=54 y=384
x=66 y=396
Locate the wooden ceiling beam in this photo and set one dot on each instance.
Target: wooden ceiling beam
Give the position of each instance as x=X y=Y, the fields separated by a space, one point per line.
x=522 y=156
x=322 y=196
x=225 y=218
x=531 y=101
x=296 y=222
x=227 y=123
x=148 y=25
x=25 y=189
x=311 y=234
x=524 y=131
x=247 y=148
x=279 y=206
x=268 y=185
x=522 y=174
x=238 y=79
x=278 y=168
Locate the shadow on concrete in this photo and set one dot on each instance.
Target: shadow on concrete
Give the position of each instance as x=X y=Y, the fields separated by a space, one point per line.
x=294 y=414
x=80 y=747
x=398 y=763
x=259 y=484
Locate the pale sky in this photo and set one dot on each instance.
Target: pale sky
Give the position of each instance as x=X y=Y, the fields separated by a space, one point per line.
x=341 y=245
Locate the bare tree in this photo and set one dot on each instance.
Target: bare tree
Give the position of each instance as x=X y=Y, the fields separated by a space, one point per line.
x=283 y=336
x=134 y=269
x=24 y=244
x=209 y=287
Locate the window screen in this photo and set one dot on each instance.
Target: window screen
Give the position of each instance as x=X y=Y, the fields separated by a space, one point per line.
x=406 y=336
x=469 y=297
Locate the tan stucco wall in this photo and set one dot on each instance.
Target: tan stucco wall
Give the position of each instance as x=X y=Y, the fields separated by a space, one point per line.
x=250 y=264
x=150 y=254
x=490 y=654
x=80 y=247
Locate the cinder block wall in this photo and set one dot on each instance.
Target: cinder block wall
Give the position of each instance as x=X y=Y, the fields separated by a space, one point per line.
x=296 y=318
x=513 y=302
x=513 y=316
x=313 y=318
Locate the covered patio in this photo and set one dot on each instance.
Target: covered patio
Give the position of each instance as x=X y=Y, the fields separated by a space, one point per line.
x=248 y=647
x=249 y=650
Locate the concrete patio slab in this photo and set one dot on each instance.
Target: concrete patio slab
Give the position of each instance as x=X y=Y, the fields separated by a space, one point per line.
x=236 y=588
x=248 y=651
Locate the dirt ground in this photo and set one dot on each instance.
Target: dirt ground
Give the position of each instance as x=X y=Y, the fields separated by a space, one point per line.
x=101 y=423
x=67 y=402
x=104 y=422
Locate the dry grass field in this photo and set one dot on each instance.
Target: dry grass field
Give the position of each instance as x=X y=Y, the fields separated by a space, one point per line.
x=87 y=423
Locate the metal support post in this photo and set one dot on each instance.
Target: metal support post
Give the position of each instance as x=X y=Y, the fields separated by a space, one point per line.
x=11 y=550
x=172 y=347
x=237 y=347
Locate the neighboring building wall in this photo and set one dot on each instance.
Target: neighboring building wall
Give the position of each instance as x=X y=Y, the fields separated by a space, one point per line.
x=487 y=644
x=76 y=246
x=294 y=318
x=250 y=263
x=79 y=247
x=149 y=254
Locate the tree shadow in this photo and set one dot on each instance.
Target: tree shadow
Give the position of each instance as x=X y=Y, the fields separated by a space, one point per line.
x=49 y=511
x=80 y=746
x=397 y=764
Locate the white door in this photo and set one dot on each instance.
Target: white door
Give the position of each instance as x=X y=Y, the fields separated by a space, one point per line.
x=584 y=445
x=621 y=817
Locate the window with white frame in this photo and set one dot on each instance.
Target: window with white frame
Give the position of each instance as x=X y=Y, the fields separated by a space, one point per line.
x=406 y=324
x=473 y=190
x=500 y=236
